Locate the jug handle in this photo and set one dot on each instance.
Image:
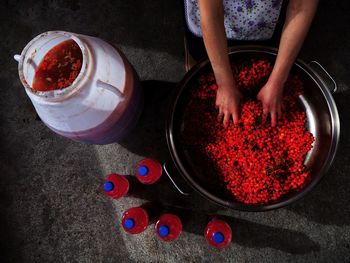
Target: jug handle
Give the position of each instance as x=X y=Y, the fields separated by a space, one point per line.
x=17 y=57
x=104 y=85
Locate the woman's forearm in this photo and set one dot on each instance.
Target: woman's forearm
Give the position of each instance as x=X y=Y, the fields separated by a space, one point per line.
x=228 y=95
x=214 y=36
x=299 y=16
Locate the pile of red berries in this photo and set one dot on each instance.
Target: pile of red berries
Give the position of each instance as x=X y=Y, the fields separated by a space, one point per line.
x=253 y=74
x=256 y=162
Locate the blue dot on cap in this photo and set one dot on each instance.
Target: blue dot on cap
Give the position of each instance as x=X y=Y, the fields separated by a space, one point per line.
x=218 y=237
x=163 y=231
x=142 y=170
x=129 y=223
x=108 y=186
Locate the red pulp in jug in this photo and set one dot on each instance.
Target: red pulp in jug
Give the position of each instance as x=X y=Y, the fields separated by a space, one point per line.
x=59 y=67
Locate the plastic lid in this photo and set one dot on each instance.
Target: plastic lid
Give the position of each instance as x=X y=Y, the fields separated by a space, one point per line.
x=163 y=231
x=142 y=170
x=129 y=223
x=218 y=237
x=108 y=186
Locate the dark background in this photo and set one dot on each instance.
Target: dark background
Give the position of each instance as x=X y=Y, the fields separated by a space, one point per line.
x=50 y=207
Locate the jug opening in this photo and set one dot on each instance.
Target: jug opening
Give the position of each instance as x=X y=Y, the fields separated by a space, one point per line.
x=52 y=64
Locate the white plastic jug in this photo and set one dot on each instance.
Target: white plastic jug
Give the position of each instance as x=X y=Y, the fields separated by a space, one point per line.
x=102 y=104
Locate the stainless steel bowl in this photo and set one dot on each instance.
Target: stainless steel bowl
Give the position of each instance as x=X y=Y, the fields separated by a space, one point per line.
x=322 y=122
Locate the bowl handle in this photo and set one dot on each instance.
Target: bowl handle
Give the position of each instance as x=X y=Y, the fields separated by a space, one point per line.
x=329 y=80
x=178 y=188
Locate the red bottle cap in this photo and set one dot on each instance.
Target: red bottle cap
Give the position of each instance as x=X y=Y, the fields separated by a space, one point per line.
x=148 y=171
x=135 y=220
x=116 y=186
x=218 y=233
x=168 y=227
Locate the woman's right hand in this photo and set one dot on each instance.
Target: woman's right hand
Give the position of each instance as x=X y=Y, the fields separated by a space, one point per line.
x=212 y=23
x=227 y=101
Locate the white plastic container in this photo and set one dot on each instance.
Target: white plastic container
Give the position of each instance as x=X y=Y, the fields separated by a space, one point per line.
x=103 y=103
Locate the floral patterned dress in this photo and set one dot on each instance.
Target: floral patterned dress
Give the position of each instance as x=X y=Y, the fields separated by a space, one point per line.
x=243 y=19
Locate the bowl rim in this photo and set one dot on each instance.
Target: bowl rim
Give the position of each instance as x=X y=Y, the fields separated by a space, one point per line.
x=335 y=128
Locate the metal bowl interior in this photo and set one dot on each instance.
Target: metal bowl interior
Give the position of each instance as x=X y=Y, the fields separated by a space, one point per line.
x=322 y=122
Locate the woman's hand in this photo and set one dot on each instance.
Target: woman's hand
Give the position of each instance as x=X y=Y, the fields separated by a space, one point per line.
x=298 y=20
x=214 y=36
x=227 y=101
x=271 y=98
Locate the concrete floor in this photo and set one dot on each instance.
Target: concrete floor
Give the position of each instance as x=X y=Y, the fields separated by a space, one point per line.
x=50 y=206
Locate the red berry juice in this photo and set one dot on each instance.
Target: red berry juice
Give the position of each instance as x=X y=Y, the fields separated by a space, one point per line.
x=168 y=227
x=148 y=171
x=218 y=233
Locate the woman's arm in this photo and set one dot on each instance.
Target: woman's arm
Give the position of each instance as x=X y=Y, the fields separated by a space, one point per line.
x=299 y=16
x=214 y=36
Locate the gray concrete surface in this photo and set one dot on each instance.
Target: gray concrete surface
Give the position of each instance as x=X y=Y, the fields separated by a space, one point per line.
x=50 y=206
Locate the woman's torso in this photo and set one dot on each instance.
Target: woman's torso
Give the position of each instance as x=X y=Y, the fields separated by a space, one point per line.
x=243 y=19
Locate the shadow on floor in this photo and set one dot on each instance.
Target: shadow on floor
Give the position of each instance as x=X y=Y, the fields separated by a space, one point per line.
x=148 y=137
x=249 y=234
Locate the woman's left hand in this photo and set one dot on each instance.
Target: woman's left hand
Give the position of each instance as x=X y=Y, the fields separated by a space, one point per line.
x=298 y=19
x=271 y=98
